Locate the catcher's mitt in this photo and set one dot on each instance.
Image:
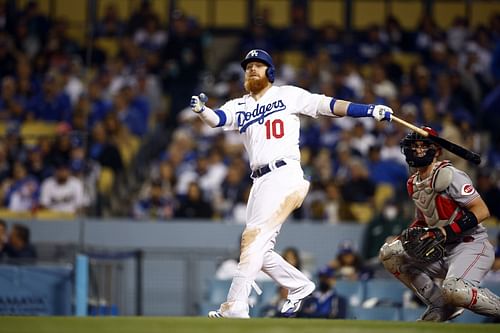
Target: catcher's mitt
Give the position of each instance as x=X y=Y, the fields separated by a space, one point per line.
x=424 y=244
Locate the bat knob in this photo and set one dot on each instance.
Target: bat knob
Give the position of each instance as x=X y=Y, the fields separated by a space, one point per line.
x=203 y=98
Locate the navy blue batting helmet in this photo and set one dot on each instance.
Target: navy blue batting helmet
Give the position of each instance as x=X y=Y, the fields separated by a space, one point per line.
x=263 y=57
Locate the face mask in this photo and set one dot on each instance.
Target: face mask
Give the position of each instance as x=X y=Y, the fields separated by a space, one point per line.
x=390 y=212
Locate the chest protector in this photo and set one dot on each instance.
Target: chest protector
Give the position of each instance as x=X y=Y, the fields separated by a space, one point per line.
x=437 y=208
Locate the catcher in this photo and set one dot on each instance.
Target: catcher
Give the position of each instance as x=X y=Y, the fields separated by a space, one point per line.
x=446 y=241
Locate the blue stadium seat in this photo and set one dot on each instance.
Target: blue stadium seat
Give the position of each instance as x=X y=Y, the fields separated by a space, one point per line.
x=385 y=290
x=412 y=314
x=353 y=291
x=376 y=313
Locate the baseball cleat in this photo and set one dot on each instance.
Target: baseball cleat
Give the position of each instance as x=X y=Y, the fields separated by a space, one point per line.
x=215 y=314
x=440 y=314
x=293 y=306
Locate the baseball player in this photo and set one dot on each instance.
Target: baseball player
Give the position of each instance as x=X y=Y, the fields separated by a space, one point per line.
x=267 y=119
x=446 y=241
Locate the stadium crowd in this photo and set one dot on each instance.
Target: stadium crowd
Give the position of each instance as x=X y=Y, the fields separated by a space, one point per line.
x=126 y=114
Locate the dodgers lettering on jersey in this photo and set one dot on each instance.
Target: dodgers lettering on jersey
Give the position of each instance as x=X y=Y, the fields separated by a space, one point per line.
x=245 y=118
x=270 y=126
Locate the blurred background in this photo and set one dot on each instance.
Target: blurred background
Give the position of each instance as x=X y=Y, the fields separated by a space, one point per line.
x=102 y=160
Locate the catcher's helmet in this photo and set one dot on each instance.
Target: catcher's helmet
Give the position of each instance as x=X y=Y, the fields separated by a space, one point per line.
x=263 y=57
x=408 y=148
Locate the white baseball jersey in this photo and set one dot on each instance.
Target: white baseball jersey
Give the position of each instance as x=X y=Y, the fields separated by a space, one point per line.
x=271 y=126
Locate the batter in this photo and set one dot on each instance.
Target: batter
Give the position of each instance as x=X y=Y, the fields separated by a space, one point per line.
x=267 y=118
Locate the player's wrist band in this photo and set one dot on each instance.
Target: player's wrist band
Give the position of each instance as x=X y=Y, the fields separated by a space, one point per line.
x=222 y=117
x=356 y=110
x=466 y=222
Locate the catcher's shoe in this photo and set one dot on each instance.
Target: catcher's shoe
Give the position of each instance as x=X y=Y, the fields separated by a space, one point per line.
x=296 y=299
x=441 y=313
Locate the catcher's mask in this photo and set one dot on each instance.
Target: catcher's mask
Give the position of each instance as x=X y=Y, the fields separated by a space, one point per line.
x=419 y=150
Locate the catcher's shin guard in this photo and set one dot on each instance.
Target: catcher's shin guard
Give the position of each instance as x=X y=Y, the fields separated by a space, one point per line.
x=464 y=294
x=393 y=257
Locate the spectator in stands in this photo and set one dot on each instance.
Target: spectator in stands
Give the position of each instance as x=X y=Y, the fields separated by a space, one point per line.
x=394 y=35
x=103 y=150
x=4 y=163
x=38 y=24
x=86 y=170
x=4 y=238
x=110 y=25
x=389 y=222
x=22 y=193
x=273 y=308
x=358 y=189
x=19 y=245
x=332 y=202
x=194 y=205
x=11 y=108
x=371 y=44
x=61 y=147
x=62 y=192
x=383 y=171
x=348 y=264
x=151 y=37
x=183 y=63
x=331 y=40
x=139 y=17
x=292 y=256
x=134 y=116
x=7 y=58
x=71 y=80
x=232 y=188
x=299 y=36
x=99 y=106
x=325 y=302
x=15 y=148
x=36 y=165
x=258 y=36
x=51 y=104
x=155 y=205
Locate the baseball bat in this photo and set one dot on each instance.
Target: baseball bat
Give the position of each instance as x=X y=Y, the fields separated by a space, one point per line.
x=448 y=145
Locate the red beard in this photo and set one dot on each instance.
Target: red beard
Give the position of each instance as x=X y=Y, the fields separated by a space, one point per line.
x=255 y=86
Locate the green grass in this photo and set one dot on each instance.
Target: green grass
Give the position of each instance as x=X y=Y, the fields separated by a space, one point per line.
x=198 y=324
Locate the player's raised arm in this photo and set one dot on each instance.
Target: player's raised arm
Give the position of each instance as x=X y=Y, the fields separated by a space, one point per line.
x=341 y=108
x=212 y=118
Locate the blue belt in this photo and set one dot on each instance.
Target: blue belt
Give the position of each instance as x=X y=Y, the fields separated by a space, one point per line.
x=259 y=172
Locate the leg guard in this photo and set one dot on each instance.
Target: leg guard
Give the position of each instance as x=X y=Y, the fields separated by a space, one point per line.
x=462 y=293
x=392 y=257
x=395 y=260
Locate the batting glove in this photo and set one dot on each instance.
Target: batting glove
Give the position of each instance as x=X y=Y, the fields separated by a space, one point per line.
x=198 y=103
x=382 y=112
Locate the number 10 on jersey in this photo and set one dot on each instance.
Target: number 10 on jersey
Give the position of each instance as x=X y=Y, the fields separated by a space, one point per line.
x=274 y=128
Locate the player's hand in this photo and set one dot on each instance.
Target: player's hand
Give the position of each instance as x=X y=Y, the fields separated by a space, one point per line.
x=198 y=103
x=382 y=112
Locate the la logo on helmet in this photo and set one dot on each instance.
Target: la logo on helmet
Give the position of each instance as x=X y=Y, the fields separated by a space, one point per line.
x=253 y=53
